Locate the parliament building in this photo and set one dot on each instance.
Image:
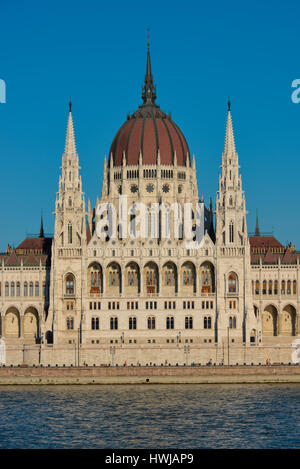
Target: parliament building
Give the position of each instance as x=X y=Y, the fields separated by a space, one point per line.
x=98 y=294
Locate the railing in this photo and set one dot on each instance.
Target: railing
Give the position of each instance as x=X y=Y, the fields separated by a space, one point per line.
x=69 y=252
x=95 y=295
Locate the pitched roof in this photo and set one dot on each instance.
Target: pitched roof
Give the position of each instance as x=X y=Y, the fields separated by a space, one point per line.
x=12 y=259
x=31 y=259
x=290 y=257
x=269 y=258
x=39 y=245
x=269 y=250
x=264 y=242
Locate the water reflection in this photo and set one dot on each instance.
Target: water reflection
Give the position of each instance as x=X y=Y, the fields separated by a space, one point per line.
x=158 y=416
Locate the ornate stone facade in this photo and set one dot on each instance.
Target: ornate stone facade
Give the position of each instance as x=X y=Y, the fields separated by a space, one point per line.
x=149 y=295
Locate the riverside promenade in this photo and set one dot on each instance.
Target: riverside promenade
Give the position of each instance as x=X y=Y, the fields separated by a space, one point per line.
x=108 y=375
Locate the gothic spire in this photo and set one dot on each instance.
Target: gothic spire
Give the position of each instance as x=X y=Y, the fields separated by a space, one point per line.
x=70 y=147
x=230 y=202
x=149 y=90
x=257 y=232
x=42 y=235
x=229 y=138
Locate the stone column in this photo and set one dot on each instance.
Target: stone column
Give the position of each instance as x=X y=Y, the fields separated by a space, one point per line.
x=21 y=331
x=122 y=280
x=297 y=324
x=178 y=271
x=279 y=322
x=104 y=273
x=141 y=280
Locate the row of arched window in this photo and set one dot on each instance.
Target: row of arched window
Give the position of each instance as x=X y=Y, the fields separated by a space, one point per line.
x=151 y=322
x=27 y=289
x=151 y=276
x=271 y=287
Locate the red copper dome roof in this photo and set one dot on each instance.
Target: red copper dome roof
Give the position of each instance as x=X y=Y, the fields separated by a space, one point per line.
x=148 y=130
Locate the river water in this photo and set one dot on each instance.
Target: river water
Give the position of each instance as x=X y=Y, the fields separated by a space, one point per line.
x=150 y=416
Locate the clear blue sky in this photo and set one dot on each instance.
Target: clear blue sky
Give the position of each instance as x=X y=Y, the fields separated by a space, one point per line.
x=202 y=53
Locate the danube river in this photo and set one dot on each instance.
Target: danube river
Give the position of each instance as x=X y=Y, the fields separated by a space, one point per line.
x=150 y=416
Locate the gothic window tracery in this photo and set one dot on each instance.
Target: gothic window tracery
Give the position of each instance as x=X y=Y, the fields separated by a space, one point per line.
x=70 y=284
x=232 y=283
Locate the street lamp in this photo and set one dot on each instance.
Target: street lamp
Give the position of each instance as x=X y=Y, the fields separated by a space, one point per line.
x=187 y=352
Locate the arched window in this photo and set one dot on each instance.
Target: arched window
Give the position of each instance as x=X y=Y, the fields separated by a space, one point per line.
x=132 y=322
x=188 y=275
x=12 y=288
x=264 y=287
x=270 y=287
x=170 y=275
x=25 y=289
x=189 y=322
x=232 y=322
x=70 y=201
x=257 y=287
x=6 y=289
x=231 y=232
x=95 y=323
x=114 y=277
x=70 y=233
x=114 y=323
x=70 y=323
x=70 y=284
x=31 y=289
x=18 y=289
x=232 y=283
x=151 y=322
x=207 y=322
x=170 y=322
x=207 y=278
x=132 y=276
x=95 y=278
x=37 y=289
x=151 y=277
x=289 y=287
x=294 y=287
x=275 y=287
x=283 y=287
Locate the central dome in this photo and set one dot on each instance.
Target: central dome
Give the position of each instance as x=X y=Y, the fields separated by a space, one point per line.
x=151 y=132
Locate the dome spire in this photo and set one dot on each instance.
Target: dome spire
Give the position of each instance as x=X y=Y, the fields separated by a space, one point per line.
x=149 y=90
